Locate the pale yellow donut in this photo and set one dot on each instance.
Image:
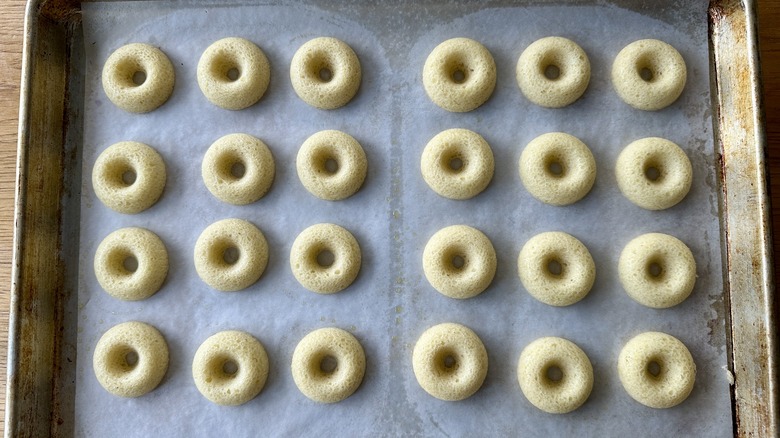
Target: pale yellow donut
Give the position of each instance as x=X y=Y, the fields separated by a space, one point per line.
x=131 y=264
x=129 y=177
x=459 y=75
x=308 y=249
x=127 y=65
x=657 y=270
x=450 y=362
x=649 y=74
x=228 y=57
x=339 y=150
x=459 y=261
x=328 y=365
x=231 y=254
x=251 y=182
x=130 y=359
x=457 y=164
x=325 y=73
x=230 y=368
x=674 y=173
x=670 y=383
x=555 y=375
x=573 y=68
x=556 y=268
x=557 y=168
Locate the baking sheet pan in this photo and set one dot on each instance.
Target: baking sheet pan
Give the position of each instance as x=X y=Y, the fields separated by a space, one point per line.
x=412 y=321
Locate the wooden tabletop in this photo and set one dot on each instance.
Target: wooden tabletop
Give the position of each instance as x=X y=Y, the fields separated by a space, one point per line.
x=11 y=35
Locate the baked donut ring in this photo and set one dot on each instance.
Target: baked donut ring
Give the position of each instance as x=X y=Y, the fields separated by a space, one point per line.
x=459 y=75
x=238 y=169
x=325 y=73
x=130 y=359
x=556 y=268
x=325 y=258
x=230 y=368
x=331 y=165
x=649 y=74
x=654 y=173
x=557 y=168
x=450 y=362
x=328 y=365
x=457 y=164
x=138 y=78
x=459 y=261
x=657 y=270
x=233 y=73
x=656 y=370
x=131 y=264
x=553 y=72
x=231 y=254
x=129 y=177
x=555 y=375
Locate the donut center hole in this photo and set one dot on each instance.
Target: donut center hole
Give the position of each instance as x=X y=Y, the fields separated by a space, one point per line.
x=233 y=74
x=458 y=262
x=554 y=374
x=448 y=361
x=654 y=269
x=646 y=74
x=456 y=164
x=130 y=264
x=654 y=368
x=555 y=168
x=230 y=255
x=652 y=173
x=139 y=78
x=328 y=364
x=131 y=359
x=325 y=258
x=554 y=267
x=238 y=170
x=129 y=176
x=230 y=368
x=331 y=166
x=325 y=74
x=552 y=72
x=458 y=76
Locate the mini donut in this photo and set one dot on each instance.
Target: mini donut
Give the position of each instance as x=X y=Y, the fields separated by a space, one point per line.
x=649 y=74
x=656 y=370
x=457 y=164
x=323 y=241
x=129 y=177
x=553 y=72
x=331 y=165
x=450 y=362
x=657 y=270
x=555 y=375
x=130 y=359
x=556 y=268
x=231 y=254
x=238 y=169
x=325 y=73
x=328 y=365
x=671 y=181
x=557 y=168
x=131 y=264
x=233 y=73
x=459 y=261
x=459 y=75
x=230 y=368
x=138 y=78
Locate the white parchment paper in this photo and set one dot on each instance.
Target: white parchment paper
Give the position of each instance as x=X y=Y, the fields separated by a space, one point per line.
x=391 y=303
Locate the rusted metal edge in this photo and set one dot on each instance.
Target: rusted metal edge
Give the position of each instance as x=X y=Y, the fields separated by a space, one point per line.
x=750 y=284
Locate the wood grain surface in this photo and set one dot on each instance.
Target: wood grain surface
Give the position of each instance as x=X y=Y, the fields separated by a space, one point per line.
x=11 y=36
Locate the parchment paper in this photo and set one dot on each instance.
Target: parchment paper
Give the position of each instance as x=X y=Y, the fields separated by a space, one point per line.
x=391 y=303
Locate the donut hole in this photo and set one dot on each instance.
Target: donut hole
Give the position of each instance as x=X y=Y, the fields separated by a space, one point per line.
x=555 y=169
x=131 y=358
x=325 y=74
x=120 y=173
x=553 y=166
x=122 y=359
x=554 y=374
x=452 y=161
x=130 y=263
x=225 y=68
x=139 y=78
x=458 y=76
x=655 y=269
x=328 y=364
x=654 y=369
x=230 y=367
x=325 y=258
x=130 y=73
x=230 y=255
x=454 y=261
x=458 y=262
x=652 y=173
x=646 y=69
x=552 y=72
x=122 y=262
x=129 y=176
x=457 y=71
x=446 y=361
x=554 y=267
x=233 y=74
x=221 y=368
x=331 y=166
x=320 y=68
x=238 y=170
x=230 y=166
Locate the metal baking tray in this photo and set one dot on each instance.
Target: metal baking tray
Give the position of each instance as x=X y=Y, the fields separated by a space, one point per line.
x=42 y=345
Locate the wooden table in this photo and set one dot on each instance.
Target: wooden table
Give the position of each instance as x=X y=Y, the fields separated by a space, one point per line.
x=11 y=35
